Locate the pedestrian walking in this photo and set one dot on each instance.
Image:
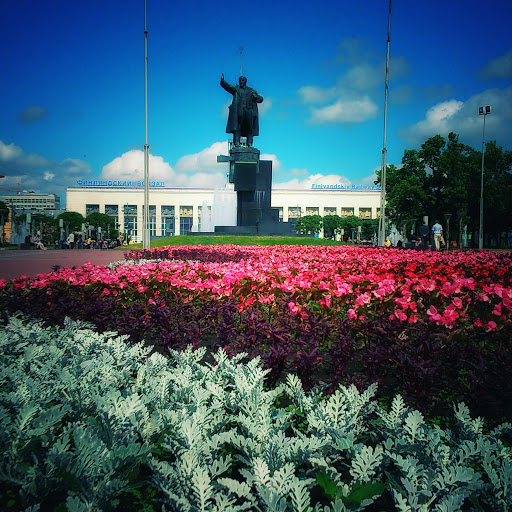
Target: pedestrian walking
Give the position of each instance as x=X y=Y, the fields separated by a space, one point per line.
x=437 y=230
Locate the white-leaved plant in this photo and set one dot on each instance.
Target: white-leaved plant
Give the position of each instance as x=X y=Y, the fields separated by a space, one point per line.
x=87 y=419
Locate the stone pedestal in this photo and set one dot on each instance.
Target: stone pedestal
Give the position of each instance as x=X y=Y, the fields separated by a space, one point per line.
x=252 y=179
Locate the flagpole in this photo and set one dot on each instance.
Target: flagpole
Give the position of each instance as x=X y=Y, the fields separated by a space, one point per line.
x=382 y=220
x=146 y=234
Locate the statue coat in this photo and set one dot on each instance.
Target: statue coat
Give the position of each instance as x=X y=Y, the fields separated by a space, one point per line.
x=237 y=113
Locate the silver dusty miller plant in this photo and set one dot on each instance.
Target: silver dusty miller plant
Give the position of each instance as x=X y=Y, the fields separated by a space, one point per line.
x=82 y=414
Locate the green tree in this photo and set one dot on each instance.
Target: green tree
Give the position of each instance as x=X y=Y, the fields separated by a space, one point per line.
x=443 y=177
x=406 y=193
x=309 y=224
x=103 y=221
x=349 y=225
x=73 y=220
x=332 y=224
x=369 y=228
x=46 y=224
x=497 y=190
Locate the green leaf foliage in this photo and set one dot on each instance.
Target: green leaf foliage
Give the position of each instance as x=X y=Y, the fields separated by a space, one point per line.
x=309 y=224
x=90 y=422
x=444 y=177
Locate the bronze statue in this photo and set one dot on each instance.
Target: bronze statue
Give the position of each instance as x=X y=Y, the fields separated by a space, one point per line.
x=243 y=111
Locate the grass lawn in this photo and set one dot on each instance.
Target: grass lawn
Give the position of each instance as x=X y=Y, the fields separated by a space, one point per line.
x=237 y=240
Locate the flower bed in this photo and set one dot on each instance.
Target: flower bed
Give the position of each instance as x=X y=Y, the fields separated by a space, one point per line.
x=436 y=327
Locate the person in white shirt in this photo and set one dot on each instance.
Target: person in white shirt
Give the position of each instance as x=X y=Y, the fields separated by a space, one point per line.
x=437 y=230
x=71 y=240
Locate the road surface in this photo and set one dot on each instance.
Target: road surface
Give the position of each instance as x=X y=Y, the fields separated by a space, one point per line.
x=16 y=263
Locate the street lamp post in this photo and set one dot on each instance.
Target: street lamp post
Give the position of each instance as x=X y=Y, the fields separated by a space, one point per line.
x=483 y=111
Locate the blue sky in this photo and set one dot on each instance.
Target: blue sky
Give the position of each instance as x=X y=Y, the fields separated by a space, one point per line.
x=72 y=86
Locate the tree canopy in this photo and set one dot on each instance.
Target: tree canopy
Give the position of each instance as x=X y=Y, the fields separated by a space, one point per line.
x=443 y=177
x=309 y=224
x=74 y=220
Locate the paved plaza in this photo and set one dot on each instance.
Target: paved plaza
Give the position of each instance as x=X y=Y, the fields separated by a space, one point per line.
x=16 y=263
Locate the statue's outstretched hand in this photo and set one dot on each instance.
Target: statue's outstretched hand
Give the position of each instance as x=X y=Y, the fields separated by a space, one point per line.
x=222 y=76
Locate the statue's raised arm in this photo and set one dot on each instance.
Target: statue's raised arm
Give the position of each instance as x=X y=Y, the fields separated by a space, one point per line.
x=243 y=111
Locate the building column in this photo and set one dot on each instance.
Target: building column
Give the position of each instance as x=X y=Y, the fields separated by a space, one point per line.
x=195 y=216
x=158 y=220
x=177 y=220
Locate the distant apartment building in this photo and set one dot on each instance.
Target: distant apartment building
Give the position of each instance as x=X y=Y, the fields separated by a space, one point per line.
x=31 y=202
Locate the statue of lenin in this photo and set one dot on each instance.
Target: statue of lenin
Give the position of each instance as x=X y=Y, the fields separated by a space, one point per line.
x=243 y=111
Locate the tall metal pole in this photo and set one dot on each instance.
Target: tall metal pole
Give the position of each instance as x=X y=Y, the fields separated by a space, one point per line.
x=483 y=111
x=146 y=240
x=481 y=231
x=382 y=220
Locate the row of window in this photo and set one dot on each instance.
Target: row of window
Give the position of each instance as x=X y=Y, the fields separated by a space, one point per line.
x=29 y=202
x=294 y=212
x=167 y=213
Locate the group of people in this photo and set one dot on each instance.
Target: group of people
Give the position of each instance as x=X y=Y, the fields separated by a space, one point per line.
x=88 y=243
x=71 y=242
x=425 y=233
x=421 y=242
x=35 y=240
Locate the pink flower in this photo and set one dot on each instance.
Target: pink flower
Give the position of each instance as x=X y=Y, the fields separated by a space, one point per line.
x=450 y=315
x=363 y=299
x=457 y=302
x=431 y=311
x=400 y=315
x=106 y=291
x=433 y=314
x=294 y=308
x=351 y=314
x=490 y=326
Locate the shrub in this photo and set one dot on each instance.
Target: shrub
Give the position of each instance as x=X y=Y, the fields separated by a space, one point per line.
x=92 y=423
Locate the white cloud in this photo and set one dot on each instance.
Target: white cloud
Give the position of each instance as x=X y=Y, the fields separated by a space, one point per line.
x=463 y=119
x=38 y=173
x=264 y=107
x=298 y=173
x=350 y=111
x=130 y=166
x=437 y=120
x=351 y=99
x=9 y=151
x=276 y=164
x=203 y=180
x=314 y=94
x=364 y=76
x=369 y=180
x=499 y=67
x=195 y=170
x=19 y=160
x=205 y=161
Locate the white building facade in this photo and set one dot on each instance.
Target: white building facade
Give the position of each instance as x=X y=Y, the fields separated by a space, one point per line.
x=175 y=211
